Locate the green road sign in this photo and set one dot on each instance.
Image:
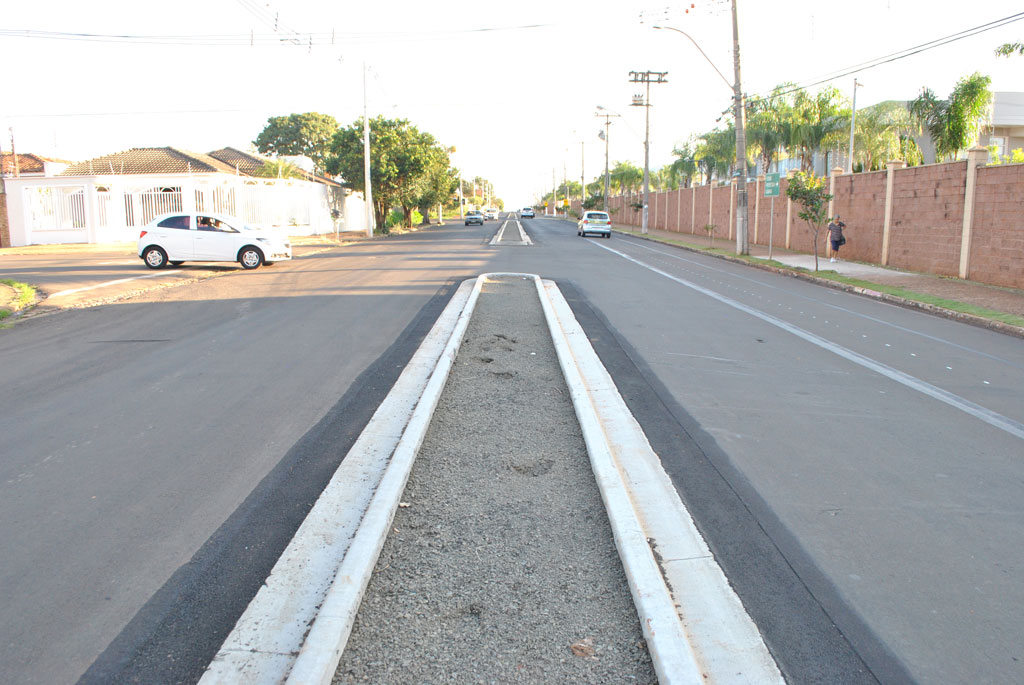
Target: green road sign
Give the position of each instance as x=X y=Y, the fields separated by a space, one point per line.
x=771 y=185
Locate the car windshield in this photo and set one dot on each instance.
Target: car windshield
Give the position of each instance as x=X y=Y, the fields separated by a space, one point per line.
x=597 y=216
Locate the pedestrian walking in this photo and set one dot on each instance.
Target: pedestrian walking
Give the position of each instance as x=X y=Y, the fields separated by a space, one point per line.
x=835 y=234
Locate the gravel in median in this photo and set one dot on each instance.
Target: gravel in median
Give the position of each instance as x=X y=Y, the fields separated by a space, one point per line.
x=500 y=565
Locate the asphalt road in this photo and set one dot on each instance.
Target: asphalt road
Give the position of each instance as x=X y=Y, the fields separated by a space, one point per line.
x=856 y=467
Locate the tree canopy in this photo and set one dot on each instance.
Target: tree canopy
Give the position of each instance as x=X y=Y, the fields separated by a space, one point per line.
x=401 y=159
x=953 y=124
x=306 y=134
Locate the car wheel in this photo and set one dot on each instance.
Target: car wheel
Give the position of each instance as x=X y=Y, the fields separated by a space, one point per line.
x=250 y=257
x=155 y=257
x=177 y=263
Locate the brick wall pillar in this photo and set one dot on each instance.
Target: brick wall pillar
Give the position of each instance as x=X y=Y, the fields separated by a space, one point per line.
x=758 y=184
x=732 y=205
x=5 y=228
x=976 y=157
x=890 y=167
x=789 y=209
x=693 y=209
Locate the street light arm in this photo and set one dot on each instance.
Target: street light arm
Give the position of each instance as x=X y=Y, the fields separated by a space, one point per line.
x=730 y=86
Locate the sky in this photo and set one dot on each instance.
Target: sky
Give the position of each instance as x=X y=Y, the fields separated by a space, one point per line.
x=513 y=86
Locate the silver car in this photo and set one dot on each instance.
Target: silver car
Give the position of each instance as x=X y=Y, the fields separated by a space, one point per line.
x=595 y=223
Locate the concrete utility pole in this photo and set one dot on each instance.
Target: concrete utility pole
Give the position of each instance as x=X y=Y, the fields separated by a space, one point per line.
x=368 y=193
x=742 y=245
x=604 y=134
x=583 y=179
x=853 y=123
x=639 y=100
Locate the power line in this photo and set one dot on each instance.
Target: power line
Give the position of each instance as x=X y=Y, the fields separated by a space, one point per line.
x=312 y=38
x=902 y=54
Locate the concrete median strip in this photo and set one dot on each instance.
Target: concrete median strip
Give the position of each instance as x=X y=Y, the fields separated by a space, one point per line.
x=500 y=239
x=296 y=628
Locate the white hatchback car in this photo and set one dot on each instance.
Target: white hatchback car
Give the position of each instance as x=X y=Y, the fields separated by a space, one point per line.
x=594 y=222
x=205 y=237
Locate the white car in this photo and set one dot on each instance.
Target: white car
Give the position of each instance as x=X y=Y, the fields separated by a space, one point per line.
x=594 y=222
x=491 y=213
x=179 y=237
x=526 y=212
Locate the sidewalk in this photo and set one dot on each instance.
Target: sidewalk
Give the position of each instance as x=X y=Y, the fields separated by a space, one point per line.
x=984 y=305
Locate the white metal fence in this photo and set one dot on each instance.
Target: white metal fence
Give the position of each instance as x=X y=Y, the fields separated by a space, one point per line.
x=113 y=208
x=58 y=208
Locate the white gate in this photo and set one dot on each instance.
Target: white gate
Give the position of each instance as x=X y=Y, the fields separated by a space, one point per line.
x=57 y=208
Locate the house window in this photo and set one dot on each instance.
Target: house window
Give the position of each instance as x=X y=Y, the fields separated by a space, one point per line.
x=1000 y=143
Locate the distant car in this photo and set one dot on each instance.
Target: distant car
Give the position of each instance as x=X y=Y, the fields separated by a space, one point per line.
x=179 y=237
x=474 y=216
x=526 y=213
x=595 y=223
x=491 y=213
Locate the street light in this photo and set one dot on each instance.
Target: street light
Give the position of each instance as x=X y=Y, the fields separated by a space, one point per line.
x=742 y=245
x=639 y=100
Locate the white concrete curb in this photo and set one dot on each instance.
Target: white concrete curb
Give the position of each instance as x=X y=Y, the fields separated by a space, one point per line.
x=523 y=238
x=263 y=646
x=695 y=625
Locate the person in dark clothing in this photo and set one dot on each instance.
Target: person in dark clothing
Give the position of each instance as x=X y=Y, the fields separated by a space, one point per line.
x=835 y=234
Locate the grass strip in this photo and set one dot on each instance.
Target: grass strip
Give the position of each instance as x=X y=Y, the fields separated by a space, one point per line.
x=24 y=296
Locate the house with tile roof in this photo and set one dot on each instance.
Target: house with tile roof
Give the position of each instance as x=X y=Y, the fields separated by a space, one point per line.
x=109 y=198
x=30 y=165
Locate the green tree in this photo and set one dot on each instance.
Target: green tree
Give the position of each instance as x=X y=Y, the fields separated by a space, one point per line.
x=626 y=177
x=438 y=182
x=883 y=133
x=818 y=122
x=1007 y=49
x=770 y=124
x=953 y=124
x=684 y=167
x=399 y=157
x=279 y=168
x=808 y=191
x=308 y=134
x=716 y=152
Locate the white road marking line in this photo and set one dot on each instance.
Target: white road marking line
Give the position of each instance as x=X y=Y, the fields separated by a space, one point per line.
x=850 y=311
x=1004 y=423
x=108 y=283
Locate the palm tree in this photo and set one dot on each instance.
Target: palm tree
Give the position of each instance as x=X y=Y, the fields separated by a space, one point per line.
x=685 y=165
x=953 y=124
x=819 y=122
x=770 y=123
x=626 y=177
x=883 y=133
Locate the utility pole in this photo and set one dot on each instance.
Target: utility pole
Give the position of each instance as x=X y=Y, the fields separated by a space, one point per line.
x=368 y=193
x=14 y=154
x=604 y=134
x=554 y=193
x=853 y=122
x=565 y=184
x=639 y=100
x=583 y=180
x=742 y=244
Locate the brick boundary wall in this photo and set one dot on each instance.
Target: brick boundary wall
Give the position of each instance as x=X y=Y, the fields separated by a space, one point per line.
x=5 y=228
x=927 y=226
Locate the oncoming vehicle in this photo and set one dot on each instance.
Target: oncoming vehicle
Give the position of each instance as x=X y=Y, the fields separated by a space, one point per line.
x=526 y=213
x=474 y=216
x=491 y=213
x=205 y=237
x=594 y=222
